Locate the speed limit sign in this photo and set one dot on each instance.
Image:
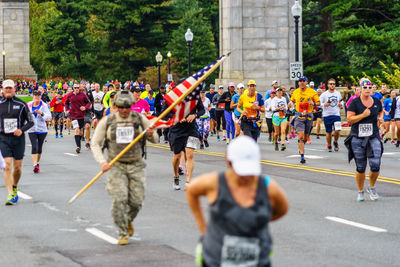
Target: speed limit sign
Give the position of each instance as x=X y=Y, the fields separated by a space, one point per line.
x=296 y=70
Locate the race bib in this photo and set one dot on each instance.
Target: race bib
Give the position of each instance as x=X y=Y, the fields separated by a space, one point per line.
x=338 y=125
x=10 y=125
x=365 y=129
x=221 y=105
x=282 y=114
x=240 y=251
x=75 y=124
x=125 y=135
x=303 y=107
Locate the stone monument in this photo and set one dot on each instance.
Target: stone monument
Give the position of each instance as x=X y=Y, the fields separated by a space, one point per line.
x=14 y=34
x=260 y=35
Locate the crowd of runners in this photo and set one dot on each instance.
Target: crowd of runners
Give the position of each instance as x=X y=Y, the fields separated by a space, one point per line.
x=223 y=112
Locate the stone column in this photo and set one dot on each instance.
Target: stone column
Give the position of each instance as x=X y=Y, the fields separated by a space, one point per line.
x=14 y=37
x=260 y=35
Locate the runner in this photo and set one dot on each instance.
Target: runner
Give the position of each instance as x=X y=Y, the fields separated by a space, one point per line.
x=184 y=137
x=150 y=99
x=98 y=106
x=37 y=134
x=158 y=104
x=15 y=119
x=140 y=105
x=210 y=95
x=146 y=92
x=57 y=103
x=389 y=122
x=88 y=114
x=279 y=120
x=203 y=123
x=67 y=116
x=252 y=103
x=395 y=114
x=317 y=116
x=331 y=102
x=126 y=180
x=219 y=113
x=237 y=114
x=226 y=99
x=268 y=116
x=113 y=108
x=363 y=141
x=304 y=99
x=77 y=103
x=106 y=98
x=241 y=202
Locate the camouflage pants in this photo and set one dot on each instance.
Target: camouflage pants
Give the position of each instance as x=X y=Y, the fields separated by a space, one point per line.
x=126 y=185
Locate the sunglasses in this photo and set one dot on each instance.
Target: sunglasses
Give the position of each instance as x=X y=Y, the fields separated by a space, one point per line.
x=367 y=87
x=332 y=83
x=76 y=87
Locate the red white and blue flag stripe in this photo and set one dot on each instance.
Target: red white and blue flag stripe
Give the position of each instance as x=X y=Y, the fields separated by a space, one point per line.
x=189 y=103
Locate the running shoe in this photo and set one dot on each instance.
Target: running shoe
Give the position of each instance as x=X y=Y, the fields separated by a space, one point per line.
x=38 y=167
x=56 y=135
x=218 y=139
x=382 y=135
x=201 y=146
x=308 y=140
x=61 y=135
x=78 y=150
x=176 y=184
x=35 y=168
x=336 y=146
x=398 y=144
x=87 y=146
x=329 y=148
x=270 y=138
x=211 y=134
x=10 y=200
x=385 y=140
x=302 y=161
x=283 y=147
x=15 y=194
x=393 y=142
x=276 y=147
x=206 y=143
x=360 y=196
x=317 y=136
x=83 y=138
x=227 y=141
x=180 y=170
x=373 y=195
x=279 y=140
x=293 y=135
x=290 y=136
x=224 y=138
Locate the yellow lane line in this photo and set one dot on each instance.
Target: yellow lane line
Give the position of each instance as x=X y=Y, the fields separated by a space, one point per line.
x=291 y=166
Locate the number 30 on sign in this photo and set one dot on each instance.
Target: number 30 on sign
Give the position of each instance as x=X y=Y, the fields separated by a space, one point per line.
x=296 y=70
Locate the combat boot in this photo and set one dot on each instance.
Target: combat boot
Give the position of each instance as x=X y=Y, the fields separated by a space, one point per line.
x=131 y=230
x=123 y=241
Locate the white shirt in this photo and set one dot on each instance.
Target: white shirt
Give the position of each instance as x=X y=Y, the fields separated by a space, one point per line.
x=333 y=109
x=206 y=103
x=276 y=102
x=98 y=100
x=268 y=113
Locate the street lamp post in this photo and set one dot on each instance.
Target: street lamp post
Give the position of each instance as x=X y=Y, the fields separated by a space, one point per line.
x=189 y=39
x=169 y=55
x=159 y=58
x=4 y=65
x=296 y=12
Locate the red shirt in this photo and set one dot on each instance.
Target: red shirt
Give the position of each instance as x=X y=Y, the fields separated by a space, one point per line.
x=76 y=101
x=57 y=107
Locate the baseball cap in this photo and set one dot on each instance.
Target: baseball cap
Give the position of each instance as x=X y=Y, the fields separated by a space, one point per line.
x=36 y=92
x=303 y=78
x=221 y=87
x=60 y=92
x=240 y=85
x=231 y=84
x=244 y=154
x=251 y=82
x=312 y=83
x=212 y=86
x=279 y=89
x=272 y=92
x=274 y=82
x=8 y=83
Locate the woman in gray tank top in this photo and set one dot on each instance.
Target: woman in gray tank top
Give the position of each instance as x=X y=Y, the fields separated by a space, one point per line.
x=242 y=203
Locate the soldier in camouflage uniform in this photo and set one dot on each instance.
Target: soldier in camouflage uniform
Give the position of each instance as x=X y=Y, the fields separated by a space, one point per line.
x=126 y=179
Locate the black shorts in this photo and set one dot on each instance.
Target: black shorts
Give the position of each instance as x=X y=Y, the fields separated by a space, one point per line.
x=178 y=144
x=58 y=115
x=12 y=146
x=387 y=120
x=212 y=114
x=81 y=123
x=397 y=119
x=98 y=114
x=317 y=115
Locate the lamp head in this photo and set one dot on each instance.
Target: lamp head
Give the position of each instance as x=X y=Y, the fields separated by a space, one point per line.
x=169 y=54
x=159 y=57
x=296 y=9
x=189 y=35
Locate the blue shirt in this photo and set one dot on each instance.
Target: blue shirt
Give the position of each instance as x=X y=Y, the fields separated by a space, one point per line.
x=377 y=95
x=235 y=100
x=387 y=104
x=210 y=96
x=151 y=103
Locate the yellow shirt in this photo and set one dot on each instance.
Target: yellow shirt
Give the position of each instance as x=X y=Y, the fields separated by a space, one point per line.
x=145 y=94
x=247 y=102
x=301 y=98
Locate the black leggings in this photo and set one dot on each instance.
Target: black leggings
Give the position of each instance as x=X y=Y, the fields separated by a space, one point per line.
x=270 y=126
x=220 y=117
x=37 y=141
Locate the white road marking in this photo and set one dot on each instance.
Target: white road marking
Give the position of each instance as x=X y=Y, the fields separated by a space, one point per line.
x=390 y=153
x=23 y=196
x=68 y=230
x=96 y=232
x=313 y=149
x=49 y=206
x=355 y=224
x=306 y=156
x=70 y=154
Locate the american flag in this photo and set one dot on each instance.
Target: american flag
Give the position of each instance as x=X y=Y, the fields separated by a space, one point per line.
x=189 y=103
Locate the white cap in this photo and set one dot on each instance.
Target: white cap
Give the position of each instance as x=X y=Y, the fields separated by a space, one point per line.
x=274 y=82
x=8 y=83
x=244 y=154
x=240 y=85
x=312 y=84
